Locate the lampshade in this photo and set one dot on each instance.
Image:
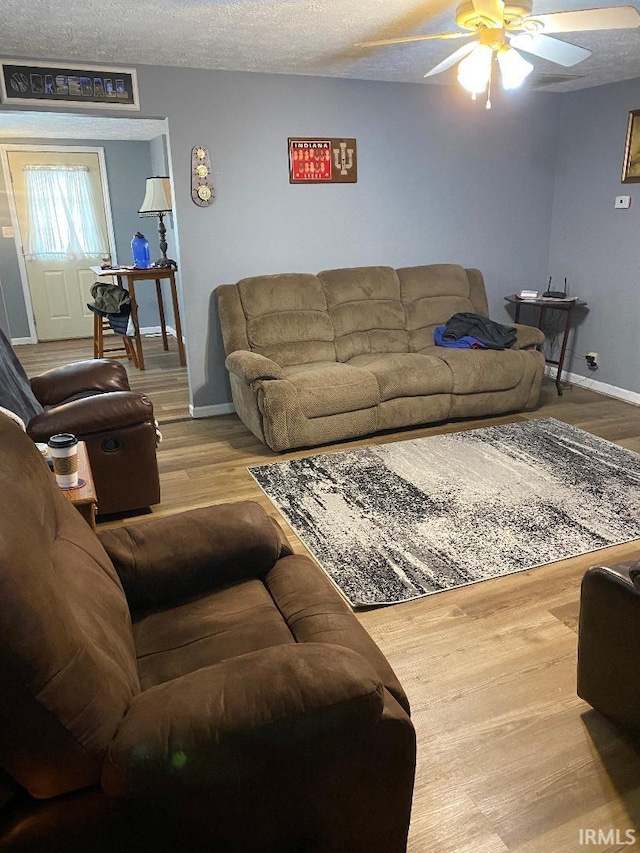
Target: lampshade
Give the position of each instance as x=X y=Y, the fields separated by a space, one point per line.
x=514 y=68
x=474 y=71
x=157 y=197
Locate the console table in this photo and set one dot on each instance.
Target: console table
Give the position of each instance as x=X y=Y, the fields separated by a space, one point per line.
x=128 y=278
x=545 y=304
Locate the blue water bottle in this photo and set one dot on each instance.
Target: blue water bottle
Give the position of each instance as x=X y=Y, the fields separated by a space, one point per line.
x=140 y=251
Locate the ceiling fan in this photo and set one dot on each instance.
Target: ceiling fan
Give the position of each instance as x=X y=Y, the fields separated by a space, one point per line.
x=502 y=30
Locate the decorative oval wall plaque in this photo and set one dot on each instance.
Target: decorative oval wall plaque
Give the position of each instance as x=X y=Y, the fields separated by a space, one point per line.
x=201 y=177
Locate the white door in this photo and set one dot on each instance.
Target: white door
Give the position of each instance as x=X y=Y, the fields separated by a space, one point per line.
x=51 y=191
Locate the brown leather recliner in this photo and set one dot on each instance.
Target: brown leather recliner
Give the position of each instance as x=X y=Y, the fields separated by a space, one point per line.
x=91 y=399
x=185 y=684
x=609 y=642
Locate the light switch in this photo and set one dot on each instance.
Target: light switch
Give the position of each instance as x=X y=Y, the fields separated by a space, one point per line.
x=7 y=231
x=622 y=202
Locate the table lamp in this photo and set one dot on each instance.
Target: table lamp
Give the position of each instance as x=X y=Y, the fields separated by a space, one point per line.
x=157 y=202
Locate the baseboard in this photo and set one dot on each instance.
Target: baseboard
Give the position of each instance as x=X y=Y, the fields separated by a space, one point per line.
x=156 y=330
x=211 y=411
x=594 y=385
x=146 y=330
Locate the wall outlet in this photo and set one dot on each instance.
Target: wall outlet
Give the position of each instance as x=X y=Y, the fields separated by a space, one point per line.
x=622 y=202
x=7 y=231
x=592 y=360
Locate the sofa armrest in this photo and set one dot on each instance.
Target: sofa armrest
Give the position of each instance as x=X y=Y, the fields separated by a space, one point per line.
x=251 y=366
x=528 y=336
x=171 y=558
x=239 y=720
x=97 y=414
x=609 y=642
x=98 y=375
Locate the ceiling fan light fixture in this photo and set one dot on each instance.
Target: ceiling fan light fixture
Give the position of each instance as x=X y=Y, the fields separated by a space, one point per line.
x=514 y=68
x=474 y=72
x=506 y=27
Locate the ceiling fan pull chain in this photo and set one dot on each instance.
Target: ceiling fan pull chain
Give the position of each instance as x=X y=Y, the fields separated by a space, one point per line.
x=487 y=106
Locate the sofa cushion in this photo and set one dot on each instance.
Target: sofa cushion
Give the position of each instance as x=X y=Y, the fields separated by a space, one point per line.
x=206 y=630
x=431 y=295
x=406 y=374
x=412 y=411
x=287 y=318
x=476 y=371
x=366 y=311
x=331 y=388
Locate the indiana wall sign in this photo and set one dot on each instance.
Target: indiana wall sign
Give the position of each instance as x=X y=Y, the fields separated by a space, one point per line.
x=314 y=160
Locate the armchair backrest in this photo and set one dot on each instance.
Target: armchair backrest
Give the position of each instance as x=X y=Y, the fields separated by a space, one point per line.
x=67 y=660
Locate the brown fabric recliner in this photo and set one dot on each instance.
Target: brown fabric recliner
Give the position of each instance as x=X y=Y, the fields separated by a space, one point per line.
x=91 y=399
x=609 y=640
x=185 y=684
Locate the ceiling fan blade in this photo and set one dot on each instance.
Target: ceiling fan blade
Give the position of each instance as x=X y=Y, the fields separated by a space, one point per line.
x=560 y=52
x=492 y=10
x=404 y=39
x=451 y=60
x=614 y=18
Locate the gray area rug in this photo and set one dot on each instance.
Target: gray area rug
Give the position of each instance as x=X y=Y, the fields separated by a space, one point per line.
x=393 y=522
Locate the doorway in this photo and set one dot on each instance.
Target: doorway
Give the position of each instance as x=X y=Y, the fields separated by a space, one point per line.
x=61 y=214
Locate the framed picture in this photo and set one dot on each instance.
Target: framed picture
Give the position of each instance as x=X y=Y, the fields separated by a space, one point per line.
x=631 y=164
x=313 y=160
x=39 y=83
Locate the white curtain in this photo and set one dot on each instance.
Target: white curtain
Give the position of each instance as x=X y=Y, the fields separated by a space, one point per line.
x=61 y=220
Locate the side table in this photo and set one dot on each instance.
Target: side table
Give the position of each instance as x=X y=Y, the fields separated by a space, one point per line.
x=129 y=277
x=549 y=304
x=84 y=498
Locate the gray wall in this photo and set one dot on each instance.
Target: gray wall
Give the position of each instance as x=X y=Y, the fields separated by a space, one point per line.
x=160 y=167
x=128 y=165
x=440 y=180
x=12 y=295
x=593 y=244
x=523 y=191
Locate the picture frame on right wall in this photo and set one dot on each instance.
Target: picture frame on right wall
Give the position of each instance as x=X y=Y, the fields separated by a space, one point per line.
x=631 y=163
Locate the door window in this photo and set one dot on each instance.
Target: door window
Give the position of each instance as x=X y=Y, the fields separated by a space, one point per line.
x=61 y=219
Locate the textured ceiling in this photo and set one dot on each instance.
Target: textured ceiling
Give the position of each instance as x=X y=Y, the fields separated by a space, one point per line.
x=311 y=37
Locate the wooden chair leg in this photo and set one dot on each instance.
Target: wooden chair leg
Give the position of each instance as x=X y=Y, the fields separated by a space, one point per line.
x=129 y=349
x=98 y=340
x=100 y=325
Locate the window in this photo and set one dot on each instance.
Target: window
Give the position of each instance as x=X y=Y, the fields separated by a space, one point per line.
x=61 y=219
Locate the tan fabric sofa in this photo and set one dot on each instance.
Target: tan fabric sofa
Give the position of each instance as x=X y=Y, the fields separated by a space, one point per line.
x=320 y=358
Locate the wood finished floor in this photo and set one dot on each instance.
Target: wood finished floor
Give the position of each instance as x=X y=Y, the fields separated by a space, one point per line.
x=509 y=758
